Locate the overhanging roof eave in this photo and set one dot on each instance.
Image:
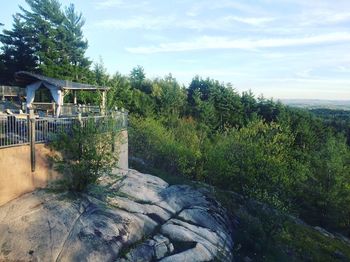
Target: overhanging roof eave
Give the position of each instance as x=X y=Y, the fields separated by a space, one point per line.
x=85 y=88
x=26 y=78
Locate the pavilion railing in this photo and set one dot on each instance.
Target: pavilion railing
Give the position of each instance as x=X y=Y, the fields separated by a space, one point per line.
x=72 y=109
x=14 y=129
x=44 y=109
x=49 y=109
x=11 y=91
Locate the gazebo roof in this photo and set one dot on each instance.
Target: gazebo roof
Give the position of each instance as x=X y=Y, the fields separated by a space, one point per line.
x=25 y=78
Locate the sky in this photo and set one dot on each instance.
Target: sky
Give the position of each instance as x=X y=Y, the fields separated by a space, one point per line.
x=278 y=48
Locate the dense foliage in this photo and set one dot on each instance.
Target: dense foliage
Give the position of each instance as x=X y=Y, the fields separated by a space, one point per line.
x=288 y=158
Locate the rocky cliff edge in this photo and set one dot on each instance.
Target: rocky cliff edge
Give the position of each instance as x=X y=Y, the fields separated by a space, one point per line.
x=130 y=217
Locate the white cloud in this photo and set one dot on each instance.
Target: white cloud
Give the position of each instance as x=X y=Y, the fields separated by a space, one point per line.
x=171 y=21
x=137 y=22
x=106 y=4
x=240 y=6
x=343 y=69
x=324 y=17
x=157 y=22
x=253 y=21
x=109 y=3
x=304 y=73
x=208 y=42
x=192 y=13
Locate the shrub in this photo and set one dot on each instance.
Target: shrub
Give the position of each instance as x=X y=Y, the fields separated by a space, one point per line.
x=254 y=161
x=86 y=153
x=175 y=151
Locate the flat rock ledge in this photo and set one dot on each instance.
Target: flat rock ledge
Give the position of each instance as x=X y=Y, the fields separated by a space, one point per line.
x=130 y=217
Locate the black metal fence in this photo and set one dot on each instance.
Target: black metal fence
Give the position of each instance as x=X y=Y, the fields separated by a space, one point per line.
x=14 y=129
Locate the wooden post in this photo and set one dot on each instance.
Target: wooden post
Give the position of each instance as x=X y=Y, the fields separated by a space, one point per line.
x=114 y=129
x=80 y=119
x=31 y=130
x=75 y=97
x=124 y=123
x=103 y=106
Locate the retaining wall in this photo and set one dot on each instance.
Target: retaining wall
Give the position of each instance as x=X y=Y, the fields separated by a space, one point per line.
x=17 y=179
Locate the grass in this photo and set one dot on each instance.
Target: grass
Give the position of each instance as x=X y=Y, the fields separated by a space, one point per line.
x=308 y=244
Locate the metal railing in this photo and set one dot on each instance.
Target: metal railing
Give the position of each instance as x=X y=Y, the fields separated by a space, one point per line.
x=14 y=129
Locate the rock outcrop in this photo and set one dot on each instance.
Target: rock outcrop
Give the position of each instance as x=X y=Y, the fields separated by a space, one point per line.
x=133 y=217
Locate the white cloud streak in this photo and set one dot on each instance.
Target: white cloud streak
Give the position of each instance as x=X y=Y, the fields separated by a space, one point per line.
x=324 y=17
x=253 y=21
x=209 y=42
x=108 y=3
x=172 y=21
x=137 y=22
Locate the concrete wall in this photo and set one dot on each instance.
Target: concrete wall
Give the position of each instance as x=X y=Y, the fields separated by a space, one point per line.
x=17 y=179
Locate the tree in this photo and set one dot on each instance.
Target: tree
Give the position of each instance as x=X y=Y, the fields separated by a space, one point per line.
x=137 y=79
x=222 y=100
x=169 y=96
x=249 y=106
x=18 y=50
x=255 y=161
x=46 y=39
x=327 y=189
x=120 y=95
x=137 y=74
x=76 y=44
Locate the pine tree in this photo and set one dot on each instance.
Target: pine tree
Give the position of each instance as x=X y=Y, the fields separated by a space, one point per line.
x=17 y=50
x=48 y=39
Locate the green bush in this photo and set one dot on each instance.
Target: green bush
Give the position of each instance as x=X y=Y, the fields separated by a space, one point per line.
x=86 y=153
x=175 y=151
x=254 y=161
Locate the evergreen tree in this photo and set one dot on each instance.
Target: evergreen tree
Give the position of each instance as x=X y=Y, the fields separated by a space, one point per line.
x=46 y=39
x=17 y=51
x=137 y=76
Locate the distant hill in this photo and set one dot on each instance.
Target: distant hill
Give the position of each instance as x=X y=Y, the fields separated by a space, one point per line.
x=317 y=103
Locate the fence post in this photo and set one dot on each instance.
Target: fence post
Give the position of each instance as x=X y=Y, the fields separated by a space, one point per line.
x=113 y=119
x=3 y=93
x=31 y=128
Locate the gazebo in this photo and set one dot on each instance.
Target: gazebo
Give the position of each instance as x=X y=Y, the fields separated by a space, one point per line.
x=58 y=89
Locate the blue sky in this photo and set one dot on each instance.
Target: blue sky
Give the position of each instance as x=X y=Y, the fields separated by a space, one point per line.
x=279 y=48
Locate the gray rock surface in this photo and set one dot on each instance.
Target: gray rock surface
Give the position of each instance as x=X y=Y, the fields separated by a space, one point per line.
x=137 y=217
